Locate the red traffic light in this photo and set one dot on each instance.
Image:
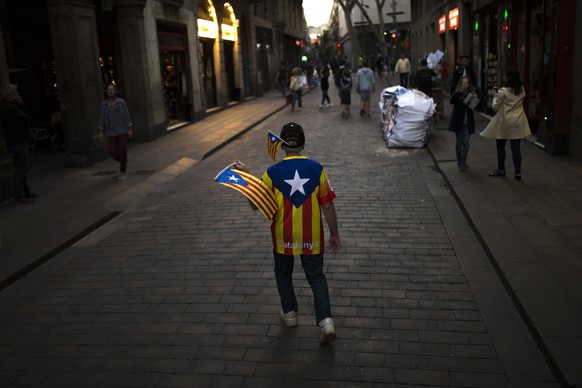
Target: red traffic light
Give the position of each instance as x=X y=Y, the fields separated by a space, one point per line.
x=339 y=45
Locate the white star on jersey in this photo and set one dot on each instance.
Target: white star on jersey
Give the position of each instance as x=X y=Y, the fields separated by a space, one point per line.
x=297 y=183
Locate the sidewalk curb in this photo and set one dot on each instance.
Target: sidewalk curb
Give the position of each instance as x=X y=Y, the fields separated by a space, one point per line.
x=23 y=272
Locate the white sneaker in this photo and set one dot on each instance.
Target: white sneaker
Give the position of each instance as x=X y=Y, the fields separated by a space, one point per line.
x=320 y=106
x=328 y=105
x=122 y=176
x=327 y=331
x=289 y=319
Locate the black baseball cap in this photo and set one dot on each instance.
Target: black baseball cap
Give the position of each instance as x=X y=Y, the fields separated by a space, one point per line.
x=292 y=134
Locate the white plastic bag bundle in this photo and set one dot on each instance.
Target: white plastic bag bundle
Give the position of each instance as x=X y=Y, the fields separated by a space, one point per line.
x=409 y=123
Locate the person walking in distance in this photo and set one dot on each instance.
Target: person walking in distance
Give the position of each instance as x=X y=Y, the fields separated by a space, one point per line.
x=14 y=124
x=324 y=84
x=296 y=89
x=345 y=92
x=424 y=77
x=282 y=78
x=115 y=120
x=302 y=191
x=463 y=69
x=509 y=122
x=462 y=121
x=365 y=85
x=403 y=68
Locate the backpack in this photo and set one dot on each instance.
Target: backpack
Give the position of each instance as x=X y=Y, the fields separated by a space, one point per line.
x=346 y=84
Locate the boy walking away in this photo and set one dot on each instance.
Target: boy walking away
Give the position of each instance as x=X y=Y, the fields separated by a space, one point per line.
x=365 y=85
x=302 y=192
x=346 y=92
x=115 y=120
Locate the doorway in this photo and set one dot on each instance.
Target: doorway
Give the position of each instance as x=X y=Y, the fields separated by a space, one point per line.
x=175 y=75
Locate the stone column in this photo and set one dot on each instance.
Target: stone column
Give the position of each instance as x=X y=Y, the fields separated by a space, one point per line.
x=76 y=52
x=137 y=85
x=219 y=64
x=6 y=166
x=3 y=63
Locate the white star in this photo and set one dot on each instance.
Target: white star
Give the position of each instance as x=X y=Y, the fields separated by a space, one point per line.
x=297 y=183
x=233 y=178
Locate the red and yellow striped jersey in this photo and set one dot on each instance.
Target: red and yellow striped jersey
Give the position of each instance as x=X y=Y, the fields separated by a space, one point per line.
x=301 y=187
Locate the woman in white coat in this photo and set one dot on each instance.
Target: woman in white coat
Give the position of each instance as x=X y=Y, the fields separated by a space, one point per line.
x=510 y=122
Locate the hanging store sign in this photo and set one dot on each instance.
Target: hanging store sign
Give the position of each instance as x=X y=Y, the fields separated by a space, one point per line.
x=454 y=19
x=228 y=32
x=442 y=24
x=207 y=29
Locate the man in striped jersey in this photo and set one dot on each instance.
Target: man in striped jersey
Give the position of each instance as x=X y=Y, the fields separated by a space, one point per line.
x=302 y=191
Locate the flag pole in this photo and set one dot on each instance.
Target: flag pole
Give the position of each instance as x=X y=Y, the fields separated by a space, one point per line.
x=223 y=170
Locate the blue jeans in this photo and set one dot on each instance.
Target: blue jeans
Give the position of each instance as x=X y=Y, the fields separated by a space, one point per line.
x=462 y=146
x=296 y=97
x=325 y=96
x=404 y=80
x=19 y=152
x=515 y=153
x=283 y=86
x=313 y=268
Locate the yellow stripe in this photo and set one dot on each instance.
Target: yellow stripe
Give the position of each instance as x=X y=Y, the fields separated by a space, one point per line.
x=316 y=222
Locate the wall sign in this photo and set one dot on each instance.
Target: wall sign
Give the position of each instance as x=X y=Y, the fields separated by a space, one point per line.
x=454 y=19
x=442 y=24
x=207 y=29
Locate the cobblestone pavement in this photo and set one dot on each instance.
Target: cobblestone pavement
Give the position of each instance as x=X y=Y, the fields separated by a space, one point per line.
x=179 y=290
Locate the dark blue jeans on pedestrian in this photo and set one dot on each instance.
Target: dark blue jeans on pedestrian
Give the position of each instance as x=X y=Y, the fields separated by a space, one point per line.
x=282 y=86
x=515 y=153
x=404 y=80
x=462 y=146
x=296 y=97
x=325 y=96
x=19 y=153
x=313 y=268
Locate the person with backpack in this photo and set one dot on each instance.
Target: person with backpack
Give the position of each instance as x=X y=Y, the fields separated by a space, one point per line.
x=346 y=92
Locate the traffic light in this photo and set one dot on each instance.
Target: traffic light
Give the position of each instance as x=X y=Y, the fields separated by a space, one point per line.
x=339 y=45
x=393 y=35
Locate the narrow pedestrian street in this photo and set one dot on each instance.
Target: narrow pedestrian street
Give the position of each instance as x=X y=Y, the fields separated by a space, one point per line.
x=179 y=291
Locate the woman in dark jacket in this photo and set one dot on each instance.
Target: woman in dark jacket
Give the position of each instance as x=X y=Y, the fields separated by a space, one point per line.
x=462 y=120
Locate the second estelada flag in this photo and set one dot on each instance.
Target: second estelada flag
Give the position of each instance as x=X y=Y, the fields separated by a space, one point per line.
x=273 y=144
x=251 y=187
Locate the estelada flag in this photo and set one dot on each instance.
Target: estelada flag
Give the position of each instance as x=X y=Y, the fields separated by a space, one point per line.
x=251 y=187
x=273 y=144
